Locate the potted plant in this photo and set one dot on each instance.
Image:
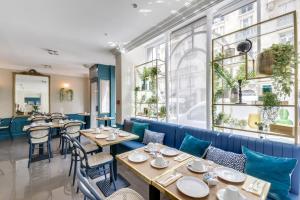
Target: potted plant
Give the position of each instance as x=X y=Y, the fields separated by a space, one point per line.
x=144 y=76
x=270 y=107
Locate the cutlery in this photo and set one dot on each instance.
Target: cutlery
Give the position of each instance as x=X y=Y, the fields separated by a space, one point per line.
x=170 y=177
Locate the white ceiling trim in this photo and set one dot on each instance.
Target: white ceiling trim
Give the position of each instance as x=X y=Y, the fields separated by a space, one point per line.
x=186 y=13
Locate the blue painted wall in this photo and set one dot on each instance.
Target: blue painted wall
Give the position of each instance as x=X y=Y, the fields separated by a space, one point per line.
x=107 y=72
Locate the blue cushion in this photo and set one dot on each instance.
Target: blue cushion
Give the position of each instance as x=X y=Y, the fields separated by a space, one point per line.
x=139 y=129
x=194 y=146
x=275 y=170
x=131 y=145
x=154 y=137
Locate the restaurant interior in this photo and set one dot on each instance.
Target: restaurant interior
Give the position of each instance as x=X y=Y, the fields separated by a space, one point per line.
x=149 y=100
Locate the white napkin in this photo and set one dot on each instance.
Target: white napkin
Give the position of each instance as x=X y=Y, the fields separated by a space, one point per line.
x=182 y=157
x=254 y=185
x=169 y=178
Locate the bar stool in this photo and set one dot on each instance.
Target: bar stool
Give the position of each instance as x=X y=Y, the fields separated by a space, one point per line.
x=39 y=135
x=97 y=161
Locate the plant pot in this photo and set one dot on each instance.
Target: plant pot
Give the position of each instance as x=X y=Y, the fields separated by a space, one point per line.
x=264 y=63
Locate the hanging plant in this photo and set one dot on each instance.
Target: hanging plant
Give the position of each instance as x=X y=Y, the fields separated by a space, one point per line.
x=283 y=61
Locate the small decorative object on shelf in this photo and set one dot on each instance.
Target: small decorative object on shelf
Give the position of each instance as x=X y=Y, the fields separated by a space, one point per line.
x=256 y=91
x=244 y=47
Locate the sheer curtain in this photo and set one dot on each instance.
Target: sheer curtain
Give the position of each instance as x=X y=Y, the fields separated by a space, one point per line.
x=187 y=75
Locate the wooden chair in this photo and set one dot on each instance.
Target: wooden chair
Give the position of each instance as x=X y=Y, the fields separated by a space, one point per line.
x=89 y=191
x=39 y=135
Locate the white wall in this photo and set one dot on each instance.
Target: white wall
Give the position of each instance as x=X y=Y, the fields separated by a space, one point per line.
x=80 y=86
x=125 y=81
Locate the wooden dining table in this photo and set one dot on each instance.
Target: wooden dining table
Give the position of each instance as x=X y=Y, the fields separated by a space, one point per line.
x=153 y=177
x=51 y=124
x=112 y=144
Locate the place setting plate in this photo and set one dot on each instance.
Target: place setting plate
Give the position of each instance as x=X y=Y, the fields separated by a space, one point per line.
x=138 y=157
x=124 y=134
x=165 y=165
x=101 y=136
x=191 y=168
x=192 y=187
x=230 y=175
x=167 y=151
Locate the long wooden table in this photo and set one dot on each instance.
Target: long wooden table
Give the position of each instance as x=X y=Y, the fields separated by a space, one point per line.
x=151 y=175
x=51 y=124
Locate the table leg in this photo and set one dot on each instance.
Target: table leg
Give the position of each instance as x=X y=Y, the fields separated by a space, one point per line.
x=105 y=122
x=154 y=193
x=113 y=151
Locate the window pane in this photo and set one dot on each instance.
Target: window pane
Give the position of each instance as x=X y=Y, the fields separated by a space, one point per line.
x=187 y=76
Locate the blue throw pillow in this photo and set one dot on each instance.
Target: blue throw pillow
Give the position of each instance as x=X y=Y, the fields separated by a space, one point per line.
x=275 y=170
x=139 y=130
x=194 y=146
x=154 y=137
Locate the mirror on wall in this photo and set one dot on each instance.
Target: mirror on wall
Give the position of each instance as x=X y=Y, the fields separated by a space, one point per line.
x=105 y=96
x=31 y=93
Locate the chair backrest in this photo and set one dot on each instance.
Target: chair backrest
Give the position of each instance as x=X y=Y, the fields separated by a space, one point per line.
x=85 y=187
x=56 y=114
x=39 y=133
x=72 y=127
x=56 y=119
x=41 y=119
x=81 y=153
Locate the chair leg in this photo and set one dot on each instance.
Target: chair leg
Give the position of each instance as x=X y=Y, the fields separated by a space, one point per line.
x=112 y=176
x=74 y=175
x=30 y=154
x=71 y=166
x=104 y=170
x=49 y=150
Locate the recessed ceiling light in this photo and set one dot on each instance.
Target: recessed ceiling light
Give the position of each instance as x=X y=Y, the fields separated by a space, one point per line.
x=187 y=4
x=173 y=11
x=145 y=10
x=159 y=1
x=52 y=52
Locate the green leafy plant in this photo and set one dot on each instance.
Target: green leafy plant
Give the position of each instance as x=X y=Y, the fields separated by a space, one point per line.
x=152 y=100
x=270 y=107
x=283 y=61
x=162 y=112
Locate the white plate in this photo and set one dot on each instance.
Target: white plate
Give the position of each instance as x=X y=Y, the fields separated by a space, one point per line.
x=159 y=166
x=192 y=187
x=123 y=134
x=106 y=128
x=137 y=157
x=205 y=169
x=101 y=136
x=230 y=175
x=108 y=139
x=167 y=151
x=220 y=195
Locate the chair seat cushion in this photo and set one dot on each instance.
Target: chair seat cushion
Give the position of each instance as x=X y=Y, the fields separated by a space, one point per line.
x=194 y=146
x=226 y=158
x=99 y=159
x=154 y=137
x=90 y=147
x=275 y=170
x=131 y=145
x=39 y=140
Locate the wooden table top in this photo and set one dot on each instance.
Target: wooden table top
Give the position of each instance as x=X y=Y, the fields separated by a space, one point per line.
x=152 y=175
x=104 y=118
x=145 y=170
x=103 y=142
x=51 y=124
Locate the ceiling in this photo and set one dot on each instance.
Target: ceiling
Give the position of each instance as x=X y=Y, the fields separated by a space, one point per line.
x=81 y=31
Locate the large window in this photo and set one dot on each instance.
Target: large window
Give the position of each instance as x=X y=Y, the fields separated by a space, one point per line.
x=187 y=75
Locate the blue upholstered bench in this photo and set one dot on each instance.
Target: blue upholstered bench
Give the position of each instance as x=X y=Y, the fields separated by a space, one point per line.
x=228 y=142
